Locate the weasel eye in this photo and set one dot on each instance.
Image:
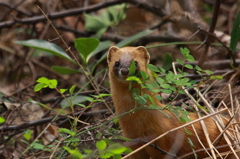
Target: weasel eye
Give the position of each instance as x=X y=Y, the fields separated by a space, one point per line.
x=136 y=63
x=117 y=64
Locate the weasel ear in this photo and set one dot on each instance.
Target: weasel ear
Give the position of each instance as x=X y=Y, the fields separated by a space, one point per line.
x=144 y=53
x=111 y=51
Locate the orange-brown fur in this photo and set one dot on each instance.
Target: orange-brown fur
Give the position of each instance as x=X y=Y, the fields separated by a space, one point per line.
x=148 y=124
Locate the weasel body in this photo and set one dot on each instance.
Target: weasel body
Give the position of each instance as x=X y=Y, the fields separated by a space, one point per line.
x=148 y=124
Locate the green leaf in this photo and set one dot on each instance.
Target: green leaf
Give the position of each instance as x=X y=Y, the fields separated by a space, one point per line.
x=134 y=78
x=198 y=68
x=71 y=90
x=216 y=77
x=46 y=46
x=75 y=100
x=144 y=75
x=67 y=131
x=2 y=120
x=208 y=72
x=167 y=61
x=179 y=61
x=132 y=68
x=27 y=134
x=166 y=91
x=152 y=68
x=38 y=146
x=89 y=99
x=63 y=90
x=43 y=80
x=64 y=71
x=102 y=46
x=101 y=145
x=158 y=97
x=85 y=46
x=117 y=12
x=53 y=83
x=235 y=34
x=116 y=148
x=188 y=66
x=39 y=86
x=95 y=23
x=186 y=54
x=185 y=51
x=184 y=119
x=74 y=152
x=165 y=85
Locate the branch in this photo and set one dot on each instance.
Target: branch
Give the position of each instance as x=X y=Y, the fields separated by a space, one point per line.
x=44 y=121
x=209 y=38
x=77 y=11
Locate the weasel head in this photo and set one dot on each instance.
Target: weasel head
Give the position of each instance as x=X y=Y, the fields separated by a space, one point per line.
x=120 y=59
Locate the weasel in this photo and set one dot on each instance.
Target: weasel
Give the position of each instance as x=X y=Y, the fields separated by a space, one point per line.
x=148 y=124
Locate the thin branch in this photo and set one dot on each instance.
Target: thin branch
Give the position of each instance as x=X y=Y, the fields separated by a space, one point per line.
x=45 y=121
x=77 y=11
x=209 y=38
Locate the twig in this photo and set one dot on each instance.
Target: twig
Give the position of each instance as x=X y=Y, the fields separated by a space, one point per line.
x=45 y=120
x=225 y=46
x=77 y=11
x=208 y=38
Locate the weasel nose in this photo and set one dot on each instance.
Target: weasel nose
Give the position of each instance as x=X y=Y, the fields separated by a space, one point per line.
x=124 y=71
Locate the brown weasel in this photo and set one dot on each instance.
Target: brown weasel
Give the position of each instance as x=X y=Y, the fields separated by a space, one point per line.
x=148 y=124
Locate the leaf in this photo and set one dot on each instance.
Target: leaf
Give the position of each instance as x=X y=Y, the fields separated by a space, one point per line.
x=102 y=46
x=67 y=131
x=216 y=77
x=134 y=78
x=63 y=90
x=94 y=23
x=46 y=46
x=27 y=134
x=188 y=66
x=75 y=100
x=38 y=146
x=198 y=68
x=116 y=148
x=166 y=91
x=53 y=83
x=117 y=12
x=64 y=70
x=184 y=119
x=71 y=90
x=89 y=99
x=167 y=61
x=85 y=46
x=39 y=86
x=43 y=80
x=208 y=72
x=101 y=145
x=132 y=68
x=179 y=61
x=152 y=68
x=74 y=152
x=2 y=120
x=235 y=34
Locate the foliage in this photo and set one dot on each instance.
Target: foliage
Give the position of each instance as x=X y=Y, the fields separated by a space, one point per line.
x=108 y=18
x=168 y=82
x=235 y=34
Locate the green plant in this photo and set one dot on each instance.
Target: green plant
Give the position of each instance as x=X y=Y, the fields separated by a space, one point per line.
x=168 y=82
x=108 y=18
